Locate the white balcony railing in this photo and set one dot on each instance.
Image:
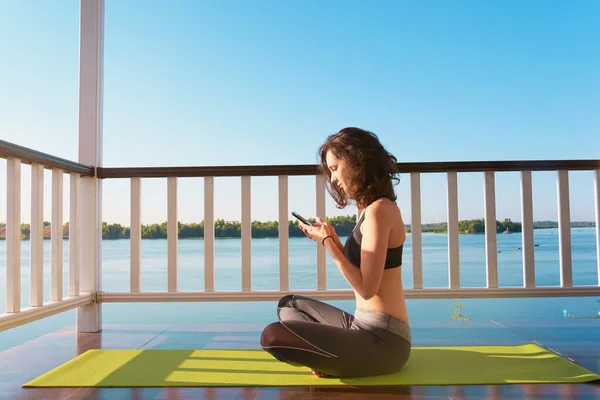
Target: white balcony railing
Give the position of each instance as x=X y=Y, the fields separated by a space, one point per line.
x=15 y=155
x=488 y=169
x=16 y=314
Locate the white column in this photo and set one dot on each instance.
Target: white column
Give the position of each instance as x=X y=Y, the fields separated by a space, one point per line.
x=91 y=53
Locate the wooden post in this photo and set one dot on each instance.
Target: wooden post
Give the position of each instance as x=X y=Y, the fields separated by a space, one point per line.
x=91 y=52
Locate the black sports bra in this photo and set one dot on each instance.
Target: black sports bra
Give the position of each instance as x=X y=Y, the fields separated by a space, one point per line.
x=352 y=248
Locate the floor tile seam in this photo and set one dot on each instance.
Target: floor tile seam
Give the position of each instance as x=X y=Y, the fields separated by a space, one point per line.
x=74 y=393
x=140 y=347
x=513 y=331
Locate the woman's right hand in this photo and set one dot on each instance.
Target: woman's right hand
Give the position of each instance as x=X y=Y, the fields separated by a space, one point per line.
x=318 y=231
x=304 y=228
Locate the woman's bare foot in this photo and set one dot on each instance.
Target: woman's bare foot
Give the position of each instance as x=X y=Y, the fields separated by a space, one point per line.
x=319 y=374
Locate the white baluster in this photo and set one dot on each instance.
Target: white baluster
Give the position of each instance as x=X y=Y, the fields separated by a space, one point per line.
x=564 y=229
x=13 y=236
x=172 y=233
x=246 y=234
x=527 y=230
x=209 y=234
x=597 y=202
x=453 y=256
x=56 y=275
x=415 y=230
x=36 y=235
x=74 y=232
x=284 y=279
x=321 y=251
x=491 y=248
x=135 y=235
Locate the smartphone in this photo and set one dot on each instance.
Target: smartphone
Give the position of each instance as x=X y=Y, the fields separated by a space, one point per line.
x=301 y=218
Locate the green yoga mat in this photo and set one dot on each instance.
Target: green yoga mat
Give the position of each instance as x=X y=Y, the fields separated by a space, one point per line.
x=477 y=365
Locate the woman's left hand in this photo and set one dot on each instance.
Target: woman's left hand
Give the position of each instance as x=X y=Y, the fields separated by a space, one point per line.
x=318 y=231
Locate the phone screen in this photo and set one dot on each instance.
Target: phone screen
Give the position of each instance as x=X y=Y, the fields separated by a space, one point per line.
x=301 y=218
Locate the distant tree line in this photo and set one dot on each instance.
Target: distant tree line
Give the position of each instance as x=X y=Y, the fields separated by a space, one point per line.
x=554 y=224
x=223 y=229
x=477 y=225
x=471 y=226
x=232 y=229
x=226 y=229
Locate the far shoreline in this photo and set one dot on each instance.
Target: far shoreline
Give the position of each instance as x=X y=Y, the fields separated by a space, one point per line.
x=292 y=237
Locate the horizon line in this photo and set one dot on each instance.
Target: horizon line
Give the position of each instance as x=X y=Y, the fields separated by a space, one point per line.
x=2 y=223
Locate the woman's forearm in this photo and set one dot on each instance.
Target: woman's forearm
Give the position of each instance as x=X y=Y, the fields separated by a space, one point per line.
x=349 y=271
x=338 y=242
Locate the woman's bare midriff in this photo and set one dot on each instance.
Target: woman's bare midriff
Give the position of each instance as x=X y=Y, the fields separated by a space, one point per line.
x=390 y=297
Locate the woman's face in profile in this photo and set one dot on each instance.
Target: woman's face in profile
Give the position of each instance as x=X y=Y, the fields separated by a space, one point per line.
x=337 y=167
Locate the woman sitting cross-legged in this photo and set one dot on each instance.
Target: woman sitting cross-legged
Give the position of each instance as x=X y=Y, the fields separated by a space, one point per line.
x=375 y=340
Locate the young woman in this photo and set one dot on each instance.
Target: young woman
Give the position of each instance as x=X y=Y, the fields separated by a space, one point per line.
x=376 y=339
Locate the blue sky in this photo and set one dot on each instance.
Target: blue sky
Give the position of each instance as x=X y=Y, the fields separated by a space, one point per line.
x=264 y=82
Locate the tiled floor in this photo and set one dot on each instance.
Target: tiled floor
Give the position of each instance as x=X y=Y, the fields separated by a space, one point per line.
x=578 y=340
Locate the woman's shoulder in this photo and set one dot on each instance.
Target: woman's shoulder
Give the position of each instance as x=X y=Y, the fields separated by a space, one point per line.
x=383 y=214
x=382 y=208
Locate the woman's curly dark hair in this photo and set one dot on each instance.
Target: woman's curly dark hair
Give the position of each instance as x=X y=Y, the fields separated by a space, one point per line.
x=370 y=167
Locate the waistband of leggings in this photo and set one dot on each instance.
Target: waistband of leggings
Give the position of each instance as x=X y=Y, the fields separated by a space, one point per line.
x=383 y=321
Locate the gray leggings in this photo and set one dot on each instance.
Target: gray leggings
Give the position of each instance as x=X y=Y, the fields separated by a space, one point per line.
x=322 y=337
